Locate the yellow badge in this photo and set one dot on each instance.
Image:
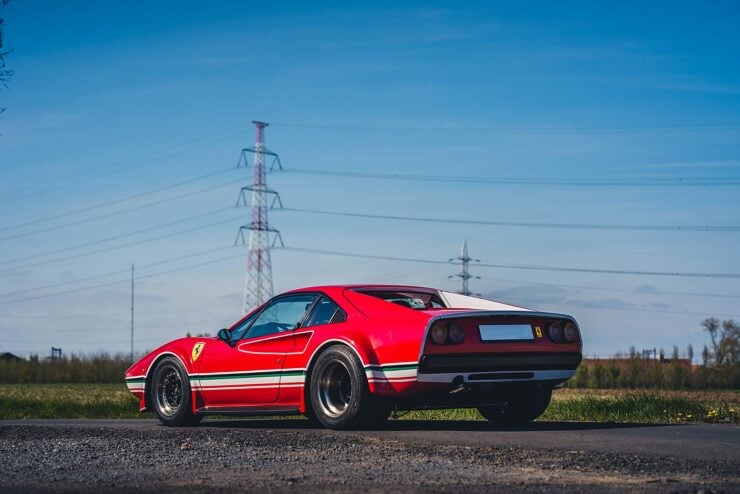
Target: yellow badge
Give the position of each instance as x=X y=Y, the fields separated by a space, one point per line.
x=197 y=350
x=537 y=331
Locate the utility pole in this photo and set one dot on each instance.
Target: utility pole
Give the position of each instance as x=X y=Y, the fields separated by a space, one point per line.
x=132 y=313
x=464 y=273
x=258 y=279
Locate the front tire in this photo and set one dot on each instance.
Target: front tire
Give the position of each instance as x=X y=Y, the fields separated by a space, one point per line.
x=340 y=398
x=169 y=394
x=521 y=408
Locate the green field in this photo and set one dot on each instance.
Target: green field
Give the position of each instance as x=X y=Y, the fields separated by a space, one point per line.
x=45 y=401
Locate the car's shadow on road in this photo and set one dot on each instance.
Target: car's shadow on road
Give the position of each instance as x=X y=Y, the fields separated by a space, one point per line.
x=426 y=425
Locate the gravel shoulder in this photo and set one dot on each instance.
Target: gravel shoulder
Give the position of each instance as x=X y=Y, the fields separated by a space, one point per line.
x=290 y=455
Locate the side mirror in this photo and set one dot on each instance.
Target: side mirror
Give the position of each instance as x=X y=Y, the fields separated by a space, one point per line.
x=224 y=334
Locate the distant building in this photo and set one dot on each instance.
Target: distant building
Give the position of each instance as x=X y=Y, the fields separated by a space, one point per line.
x=9 y=357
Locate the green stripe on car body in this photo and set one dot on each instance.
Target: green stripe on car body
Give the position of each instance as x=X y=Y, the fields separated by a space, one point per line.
x=391 y=367
x=246 y=375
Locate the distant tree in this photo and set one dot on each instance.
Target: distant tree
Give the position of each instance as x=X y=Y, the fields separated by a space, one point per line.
x=705 y=356
x=711 y=326
x=633 y=351
x=725 y=340
x=596 y=376
x=690 y=352
x=730 y=341
x=5 y=74
x=674 y=355
x=580 y=380
x=662 y=354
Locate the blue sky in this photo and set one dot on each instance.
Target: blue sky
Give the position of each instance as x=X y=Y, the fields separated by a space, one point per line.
x=115 y=99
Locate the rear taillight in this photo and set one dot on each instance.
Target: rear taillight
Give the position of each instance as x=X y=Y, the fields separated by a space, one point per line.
x=438 y=333
x=570 y=333
x=562 y=332
x=446 y=333
x=455 y=333
x=555 y=332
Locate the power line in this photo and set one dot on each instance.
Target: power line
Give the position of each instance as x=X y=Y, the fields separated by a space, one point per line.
x=592 y=182
x=621 y=290
x=117 y=237
x=519 y=266
x=99 y=171
x=130 y=244
x=524 y=129
x=66 y=330
x=166 y=317
x=86 y=342
x=116 y=201
x=114 y=273
x=119 y=282
x=119 y=212
x=575 y=226
x=635 y=309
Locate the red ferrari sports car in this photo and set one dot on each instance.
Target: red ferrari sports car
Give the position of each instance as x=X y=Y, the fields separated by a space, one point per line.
x=347 y=356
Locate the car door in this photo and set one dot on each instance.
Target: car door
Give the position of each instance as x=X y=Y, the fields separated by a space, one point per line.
x=324 y=312
x=246 y=370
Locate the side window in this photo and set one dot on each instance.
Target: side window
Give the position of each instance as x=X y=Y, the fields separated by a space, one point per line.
x=325 y=312
x=238 y=332
x=281 y=315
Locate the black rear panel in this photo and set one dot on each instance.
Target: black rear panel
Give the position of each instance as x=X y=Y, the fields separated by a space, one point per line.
x=431 y=364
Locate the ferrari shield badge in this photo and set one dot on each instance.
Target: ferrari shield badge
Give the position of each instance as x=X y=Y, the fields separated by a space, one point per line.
x=197 y=350
x=537 y=330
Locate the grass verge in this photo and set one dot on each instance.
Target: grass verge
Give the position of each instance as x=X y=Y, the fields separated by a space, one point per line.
x=74 y=401
x=47 y=401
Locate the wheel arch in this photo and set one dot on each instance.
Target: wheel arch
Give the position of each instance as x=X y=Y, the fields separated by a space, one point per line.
x=324 y=346
x=148 y=376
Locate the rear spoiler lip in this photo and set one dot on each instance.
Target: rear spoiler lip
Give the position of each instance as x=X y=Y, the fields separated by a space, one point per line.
x=497 y=313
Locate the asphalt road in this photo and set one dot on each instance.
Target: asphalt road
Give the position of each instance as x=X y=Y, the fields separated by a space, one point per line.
x=290 y=455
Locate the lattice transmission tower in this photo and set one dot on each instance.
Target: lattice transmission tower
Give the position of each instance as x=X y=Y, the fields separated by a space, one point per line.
x=258 y=280
x=464 y=273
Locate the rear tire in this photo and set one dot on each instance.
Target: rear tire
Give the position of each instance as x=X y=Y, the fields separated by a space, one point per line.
x=521 y=408
x=169 y=394
x=340 y=397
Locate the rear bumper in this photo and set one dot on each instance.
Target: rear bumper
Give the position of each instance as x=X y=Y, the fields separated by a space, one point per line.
x=437 y=364
x=555 y=376
x=501 y=367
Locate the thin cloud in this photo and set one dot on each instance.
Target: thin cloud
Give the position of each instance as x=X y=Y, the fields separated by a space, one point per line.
x=697 y=165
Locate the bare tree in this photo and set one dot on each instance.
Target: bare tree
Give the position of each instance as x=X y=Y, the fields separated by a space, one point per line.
x=730 y=341
x=705 y=356
x=725 y=339
x=711 y=326
x=5 y=73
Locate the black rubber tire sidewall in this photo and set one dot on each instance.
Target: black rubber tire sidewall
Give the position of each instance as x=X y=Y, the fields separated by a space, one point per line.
x=357 y=411
x=184 y=415
x=522 y=408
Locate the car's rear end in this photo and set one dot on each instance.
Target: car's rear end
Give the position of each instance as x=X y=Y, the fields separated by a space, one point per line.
x=492 y=358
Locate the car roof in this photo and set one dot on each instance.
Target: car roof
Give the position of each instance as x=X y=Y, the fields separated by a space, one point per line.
x=331 y=288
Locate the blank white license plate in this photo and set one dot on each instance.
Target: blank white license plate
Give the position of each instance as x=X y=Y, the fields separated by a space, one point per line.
x=505 y=332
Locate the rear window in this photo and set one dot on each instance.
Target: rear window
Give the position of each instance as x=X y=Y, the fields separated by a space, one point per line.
x=406 y=298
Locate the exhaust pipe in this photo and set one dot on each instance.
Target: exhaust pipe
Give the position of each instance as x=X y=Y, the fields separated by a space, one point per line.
x=457 y=385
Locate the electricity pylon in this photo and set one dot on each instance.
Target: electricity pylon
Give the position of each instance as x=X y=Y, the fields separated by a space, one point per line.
x=464 y=273
x=258 y=280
